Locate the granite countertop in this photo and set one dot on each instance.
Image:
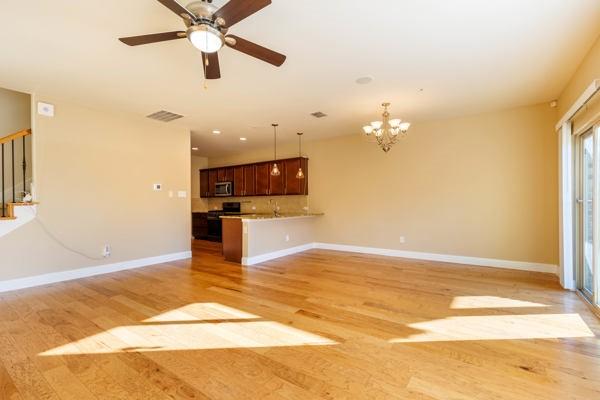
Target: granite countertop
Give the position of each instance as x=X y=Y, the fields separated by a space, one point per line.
x=270 y=216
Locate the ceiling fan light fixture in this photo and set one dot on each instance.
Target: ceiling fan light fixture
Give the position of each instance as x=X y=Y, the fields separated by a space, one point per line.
x=206 y=38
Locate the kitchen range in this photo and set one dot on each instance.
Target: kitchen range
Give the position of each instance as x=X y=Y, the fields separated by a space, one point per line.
x=213 y=218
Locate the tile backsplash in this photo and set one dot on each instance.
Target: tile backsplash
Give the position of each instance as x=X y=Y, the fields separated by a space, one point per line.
x=261 y=205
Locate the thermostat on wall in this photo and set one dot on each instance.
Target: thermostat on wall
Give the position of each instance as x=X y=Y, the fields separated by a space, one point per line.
x=46 y=109
x=157 y=187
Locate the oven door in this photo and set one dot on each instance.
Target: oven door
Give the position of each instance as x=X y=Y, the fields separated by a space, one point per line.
x=223 y=189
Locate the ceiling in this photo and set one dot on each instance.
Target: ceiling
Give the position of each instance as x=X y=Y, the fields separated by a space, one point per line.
x=467 y=56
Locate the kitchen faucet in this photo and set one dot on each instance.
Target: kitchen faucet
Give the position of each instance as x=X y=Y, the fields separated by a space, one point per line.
x=275 y=208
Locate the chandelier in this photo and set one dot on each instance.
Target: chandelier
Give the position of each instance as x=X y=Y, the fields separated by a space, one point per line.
x=387 y=131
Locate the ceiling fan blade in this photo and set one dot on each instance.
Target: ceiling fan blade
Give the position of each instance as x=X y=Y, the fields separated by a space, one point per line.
x=210 y=65
x=178 y=9
x=236 y=10
x=254 y=50
x=153 y=38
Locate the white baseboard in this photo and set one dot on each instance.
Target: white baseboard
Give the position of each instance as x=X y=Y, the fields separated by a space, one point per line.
x=40 y=280
x=276 y=254
x=482 y=262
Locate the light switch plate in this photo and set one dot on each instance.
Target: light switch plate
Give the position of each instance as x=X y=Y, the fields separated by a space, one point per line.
x=182 y=194
x=45 y=109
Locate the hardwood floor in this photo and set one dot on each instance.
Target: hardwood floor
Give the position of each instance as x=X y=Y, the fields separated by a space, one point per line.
x=317 y=325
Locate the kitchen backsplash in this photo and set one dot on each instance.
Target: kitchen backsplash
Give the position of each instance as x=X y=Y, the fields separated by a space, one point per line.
x=199 y=205
x=261 y=205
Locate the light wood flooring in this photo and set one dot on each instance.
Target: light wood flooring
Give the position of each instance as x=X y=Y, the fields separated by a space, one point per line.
x=316 y=325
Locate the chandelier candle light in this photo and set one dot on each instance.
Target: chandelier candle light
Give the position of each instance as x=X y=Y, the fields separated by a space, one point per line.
x=387 y=131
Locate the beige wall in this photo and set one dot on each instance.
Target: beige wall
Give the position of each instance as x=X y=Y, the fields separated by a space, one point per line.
x=480 y=186
x=198 y=204
x=272 y=235
x=94 y=173
x=586 y=73
x=15 y=114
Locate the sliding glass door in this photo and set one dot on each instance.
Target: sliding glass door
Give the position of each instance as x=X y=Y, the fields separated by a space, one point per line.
x=587 y=182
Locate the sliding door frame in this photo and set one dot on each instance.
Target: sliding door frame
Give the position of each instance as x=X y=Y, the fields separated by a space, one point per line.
x=579 y=204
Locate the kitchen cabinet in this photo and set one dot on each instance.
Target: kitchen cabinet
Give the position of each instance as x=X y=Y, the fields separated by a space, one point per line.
x=212 y=180
x=238 y=181
x=276 y=186
x=293 y=185
x=262 y=174
x=249 y=180
x=204 y=192
x=200 y=225
x=225 y=174
x=256 y=180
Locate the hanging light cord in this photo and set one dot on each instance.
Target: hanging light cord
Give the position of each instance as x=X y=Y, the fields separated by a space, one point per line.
x=275 y=139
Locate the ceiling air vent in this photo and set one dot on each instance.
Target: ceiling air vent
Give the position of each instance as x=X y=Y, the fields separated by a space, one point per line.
x=319 y=114
x=164 y=116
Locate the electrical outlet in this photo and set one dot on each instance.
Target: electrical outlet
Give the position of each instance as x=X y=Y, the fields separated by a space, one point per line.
x=170 y=193
x=106 y=251
x=402 y=239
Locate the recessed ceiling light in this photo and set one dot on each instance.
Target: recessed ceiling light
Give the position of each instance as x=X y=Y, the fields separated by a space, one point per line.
x=243 y=139
x=364 y=80
x=216 y=132
x=195 y=148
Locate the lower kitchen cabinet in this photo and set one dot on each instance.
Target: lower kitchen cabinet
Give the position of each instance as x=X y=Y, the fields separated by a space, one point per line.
x=200 y=225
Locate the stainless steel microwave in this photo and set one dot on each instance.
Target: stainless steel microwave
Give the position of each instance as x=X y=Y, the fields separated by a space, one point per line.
x=224 y=189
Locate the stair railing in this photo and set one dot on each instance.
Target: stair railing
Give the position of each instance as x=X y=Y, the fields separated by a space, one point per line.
x=8 y=166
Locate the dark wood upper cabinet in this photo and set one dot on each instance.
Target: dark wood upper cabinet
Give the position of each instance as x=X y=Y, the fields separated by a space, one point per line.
x=263 y=173
x=225 y=174
x=238 y=181
x=213 y=178
x=276 y=183
x=249 y=180
x=294 y=185
x=256 y=180
x=204 y=191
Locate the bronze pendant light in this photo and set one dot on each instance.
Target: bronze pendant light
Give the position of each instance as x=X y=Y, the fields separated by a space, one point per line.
x=275 y=170
x=300 y=174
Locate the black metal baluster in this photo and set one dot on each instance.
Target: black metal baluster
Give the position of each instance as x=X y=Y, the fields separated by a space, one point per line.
x=3 y=202
x=13 y=171
x=24 y=169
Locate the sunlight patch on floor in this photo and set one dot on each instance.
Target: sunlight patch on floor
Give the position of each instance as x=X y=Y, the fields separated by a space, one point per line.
x=200 y=326
x=468 y=302
x=202 y=312
x=499 y=327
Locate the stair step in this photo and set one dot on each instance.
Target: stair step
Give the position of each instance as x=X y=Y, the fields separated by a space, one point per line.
x=10 y=209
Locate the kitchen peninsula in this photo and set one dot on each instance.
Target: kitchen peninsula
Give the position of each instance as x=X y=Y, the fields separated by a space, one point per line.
x=254 y=238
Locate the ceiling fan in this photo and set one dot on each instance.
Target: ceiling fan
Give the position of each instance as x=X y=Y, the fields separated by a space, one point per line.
x=207 y=28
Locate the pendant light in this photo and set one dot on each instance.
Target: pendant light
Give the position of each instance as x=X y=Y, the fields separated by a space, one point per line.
x=300 y=174
x=275 y=170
